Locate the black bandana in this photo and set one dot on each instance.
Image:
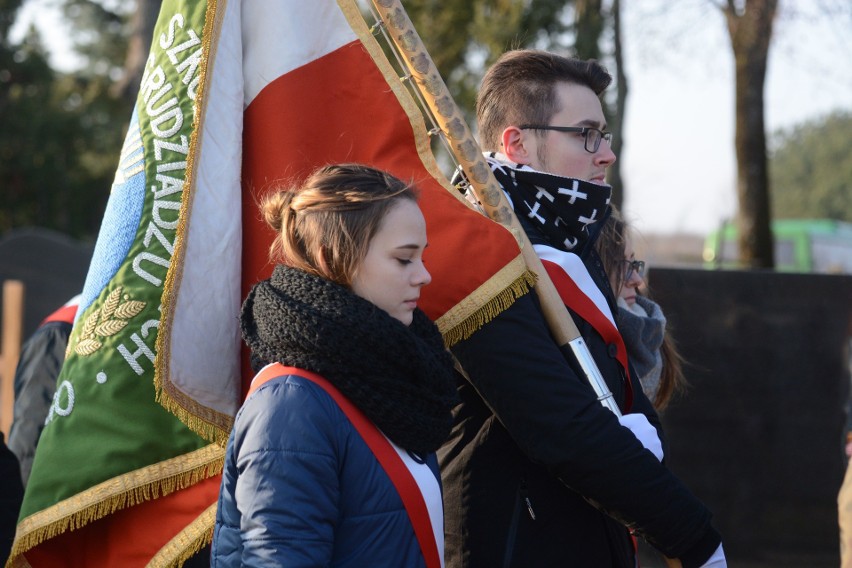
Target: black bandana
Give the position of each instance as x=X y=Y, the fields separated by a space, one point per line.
x=560 y=208
x=400 y=376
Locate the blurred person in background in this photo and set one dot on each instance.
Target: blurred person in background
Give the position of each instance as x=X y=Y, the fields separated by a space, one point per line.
x=650 y=346
x=41 y=360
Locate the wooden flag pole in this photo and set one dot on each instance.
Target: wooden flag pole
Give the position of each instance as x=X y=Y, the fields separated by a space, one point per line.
x=485 y=186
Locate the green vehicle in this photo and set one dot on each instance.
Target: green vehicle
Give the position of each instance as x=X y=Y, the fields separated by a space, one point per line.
x=801 y=245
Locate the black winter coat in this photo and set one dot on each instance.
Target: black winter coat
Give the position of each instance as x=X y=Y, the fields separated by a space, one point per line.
x=35 y=383
x=537 y=473
x=11 y=496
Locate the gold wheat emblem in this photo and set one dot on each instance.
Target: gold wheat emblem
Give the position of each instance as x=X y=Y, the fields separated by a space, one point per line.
x=106 y=321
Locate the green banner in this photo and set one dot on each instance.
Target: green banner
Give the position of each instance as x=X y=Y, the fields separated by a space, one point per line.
x=105 y=423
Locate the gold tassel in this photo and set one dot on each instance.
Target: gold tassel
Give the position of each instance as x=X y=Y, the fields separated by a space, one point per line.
x=210 y=432
x=489 y=310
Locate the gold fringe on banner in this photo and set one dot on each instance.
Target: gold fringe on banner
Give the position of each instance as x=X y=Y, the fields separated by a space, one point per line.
x=211 y=425
x=486 y=302
x=188 y=542
x=126 y=490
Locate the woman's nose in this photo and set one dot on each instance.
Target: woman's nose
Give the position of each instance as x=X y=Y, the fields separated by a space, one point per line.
x=636 y=280
x=423 y=277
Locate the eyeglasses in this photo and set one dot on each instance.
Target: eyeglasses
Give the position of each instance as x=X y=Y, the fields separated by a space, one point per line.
x=592 y=136
x=632 y=266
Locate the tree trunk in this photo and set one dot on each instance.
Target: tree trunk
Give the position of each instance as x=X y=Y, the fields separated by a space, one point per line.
x=617 y=118
x=750 y=29
x=589 y=25
x=138 y=45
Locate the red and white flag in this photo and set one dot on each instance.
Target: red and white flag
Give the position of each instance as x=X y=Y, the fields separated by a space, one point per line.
x=319 y=90
x=238 y=97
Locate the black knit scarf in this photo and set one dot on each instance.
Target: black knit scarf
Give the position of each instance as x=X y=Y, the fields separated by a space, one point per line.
x=560 y=208
x=400 y=376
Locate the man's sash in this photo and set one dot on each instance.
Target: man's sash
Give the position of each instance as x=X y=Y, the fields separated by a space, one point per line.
x=580 y=293
x=387 y=456
x=64 y=314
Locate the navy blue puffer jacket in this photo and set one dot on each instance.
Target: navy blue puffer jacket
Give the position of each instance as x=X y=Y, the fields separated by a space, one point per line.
x=300 y=487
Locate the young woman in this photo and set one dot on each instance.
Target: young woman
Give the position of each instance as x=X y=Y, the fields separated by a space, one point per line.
x=331 y=460
x=640 y=320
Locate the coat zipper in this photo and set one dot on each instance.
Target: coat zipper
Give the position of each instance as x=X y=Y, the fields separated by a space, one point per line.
x=523 y=500
x=527 y=501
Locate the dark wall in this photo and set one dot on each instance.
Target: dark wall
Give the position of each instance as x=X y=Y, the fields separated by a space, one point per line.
x=52 y=267
x=759 y=434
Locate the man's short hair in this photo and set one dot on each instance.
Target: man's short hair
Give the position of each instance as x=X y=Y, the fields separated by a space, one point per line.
x=519 y=89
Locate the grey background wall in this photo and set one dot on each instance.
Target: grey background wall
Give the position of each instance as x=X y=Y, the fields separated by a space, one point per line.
x=52 y=266
x=759 y=435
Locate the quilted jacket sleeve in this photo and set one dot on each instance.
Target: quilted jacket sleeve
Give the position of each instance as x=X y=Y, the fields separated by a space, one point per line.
x=280 y=490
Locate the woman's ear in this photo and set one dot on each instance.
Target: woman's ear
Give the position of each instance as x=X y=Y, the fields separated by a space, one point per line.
x=518 y=145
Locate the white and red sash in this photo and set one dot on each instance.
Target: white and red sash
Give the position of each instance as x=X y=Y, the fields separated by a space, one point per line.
x=66 y=313
x=580 y=293
x=403 y=472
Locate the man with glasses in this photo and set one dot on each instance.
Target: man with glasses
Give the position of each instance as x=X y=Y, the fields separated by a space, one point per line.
x=536 y=471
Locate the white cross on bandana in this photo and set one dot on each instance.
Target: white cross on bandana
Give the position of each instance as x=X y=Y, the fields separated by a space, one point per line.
x=560 y=208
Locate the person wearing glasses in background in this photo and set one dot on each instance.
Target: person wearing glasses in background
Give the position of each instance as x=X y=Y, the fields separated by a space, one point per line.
x=536 y=471
x=641 y=321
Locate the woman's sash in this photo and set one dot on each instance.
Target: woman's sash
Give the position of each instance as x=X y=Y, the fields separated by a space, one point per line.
x=387 y=456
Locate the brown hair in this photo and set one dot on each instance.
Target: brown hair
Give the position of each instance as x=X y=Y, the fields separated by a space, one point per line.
x=520 y=89
x=611 y=247
x=324 y=225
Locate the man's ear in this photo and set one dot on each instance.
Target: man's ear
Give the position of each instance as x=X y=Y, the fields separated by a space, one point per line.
x=517 y=145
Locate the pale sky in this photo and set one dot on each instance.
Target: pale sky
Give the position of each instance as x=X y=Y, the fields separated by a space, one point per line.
x=678 y=160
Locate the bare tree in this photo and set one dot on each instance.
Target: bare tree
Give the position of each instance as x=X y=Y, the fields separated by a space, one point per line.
x=588 y=25
x=138 y=45
x=750 y=29
x=618 y=117
x=590 y=21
